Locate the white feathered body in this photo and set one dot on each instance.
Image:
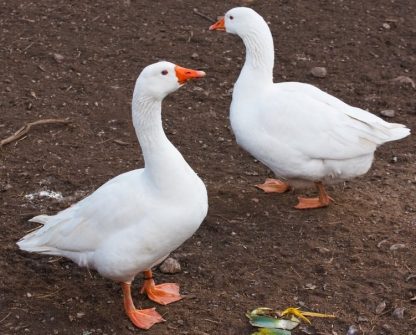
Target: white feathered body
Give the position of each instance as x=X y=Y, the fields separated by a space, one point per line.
x=304 y=134
x=136 y=219
x=301 y=133
x=125 y=227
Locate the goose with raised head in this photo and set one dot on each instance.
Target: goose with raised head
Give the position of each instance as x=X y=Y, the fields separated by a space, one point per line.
x=304 y=135
x=133 y=221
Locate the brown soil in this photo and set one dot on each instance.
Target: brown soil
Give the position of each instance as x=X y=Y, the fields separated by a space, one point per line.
x=253 y=249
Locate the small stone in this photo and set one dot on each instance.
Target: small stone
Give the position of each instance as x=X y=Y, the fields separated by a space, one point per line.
x=80 y=315
x=322 y=250
x=29 y=295
x=380 y=307
x=387 y=328
x=58 y=57
x=405 y=80
x=170 y=265
x=319 y=72
x=194 y=56
x=393 y=159
x=352 y=330
x=310 y=286
x=388 y=113
x=386 y=26
x=309 y=330
x=397 y=246
x=398 y=312
x=362 y=319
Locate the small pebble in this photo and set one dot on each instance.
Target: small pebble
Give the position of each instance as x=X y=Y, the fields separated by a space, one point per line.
x=309 y=330
x=58 y=57
x=398 y=312
x=322 y=250
x=397 y=246
x=388 y=113
x=352 y=330
x=387 y=328
x=405 y=80
x=380 y=307
x=80 y=315
x=170 y=265
x=194 y=56
x=386 y=26
x=319 y=72
x=362 y=319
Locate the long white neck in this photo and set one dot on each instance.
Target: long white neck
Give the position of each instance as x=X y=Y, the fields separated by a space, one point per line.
x=162 y=160
x=258 y=67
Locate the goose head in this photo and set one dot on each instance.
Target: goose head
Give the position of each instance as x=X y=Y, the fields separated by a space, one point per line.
x=162 y=78
x=240 y=21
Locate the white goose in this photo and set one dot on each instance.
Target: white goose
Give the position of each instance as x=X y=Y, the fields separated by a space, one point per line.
x=301 y=133
x=136 y=219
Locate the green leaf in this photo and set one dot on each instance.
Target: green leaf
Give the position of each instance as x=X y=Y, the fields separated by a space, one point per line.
x=269 y=331
x=270 y=322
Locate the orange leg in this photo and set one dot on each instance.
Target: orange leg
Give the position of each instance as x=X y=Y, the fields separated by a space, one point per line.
x=141 y=318
x=322 y=201
x=274 y=185
x=163 y=293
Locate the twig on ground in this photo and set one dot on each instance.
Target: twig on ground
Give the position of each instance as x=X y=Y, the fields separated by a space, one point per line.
x=210 y=19
x=5 y=317
x=25 y=129
x=47 y=295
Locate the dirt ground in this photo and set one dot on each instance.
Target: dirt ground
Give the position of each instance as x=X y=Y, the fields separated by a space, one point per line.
x=79 y=60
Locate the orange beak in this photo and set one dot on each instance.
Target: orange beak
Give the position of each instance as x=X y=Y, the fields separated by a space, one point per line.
x=219 y=25
x=183 y=74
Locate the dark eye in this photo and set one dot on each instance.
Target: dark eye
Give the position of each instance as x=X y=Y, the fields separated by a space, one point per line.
x=164 y=72
x=231 y=17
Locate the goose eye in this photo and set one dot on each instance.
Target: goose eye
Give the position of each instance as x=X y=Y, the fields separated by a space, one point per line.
x=231 y=17
x=164 y=72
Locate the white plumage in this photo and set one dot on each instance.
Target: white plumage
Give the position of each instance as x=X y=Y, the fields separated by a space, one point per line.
x=301 y=133
x=136 y=219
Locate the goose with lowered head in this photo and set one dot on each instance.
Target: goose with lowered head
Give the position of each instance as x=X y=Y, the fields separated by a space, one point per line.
x=304 y=135
x=133 y=221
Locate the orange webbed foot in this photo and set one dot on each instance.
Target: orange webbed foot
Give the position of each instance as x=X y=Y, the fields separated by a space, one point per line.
x=144 y=318
x=163 y=294
x=273 y=186
x=309 y=203
x=141 y=318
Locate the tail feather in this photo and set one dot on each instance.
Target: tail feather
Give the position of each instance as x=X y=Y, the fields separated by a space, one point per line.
x=43 y=219
x=34 y=241
x=398 y=131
